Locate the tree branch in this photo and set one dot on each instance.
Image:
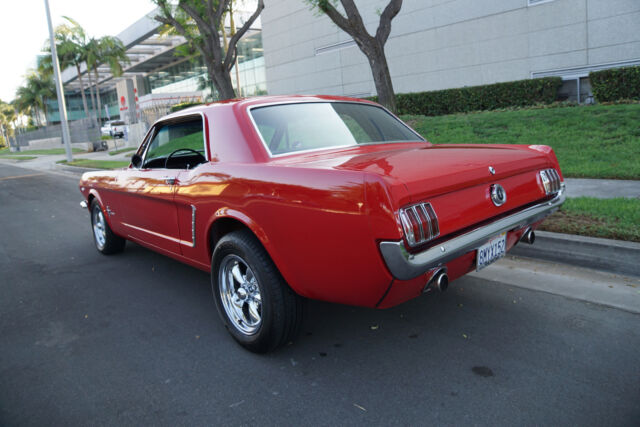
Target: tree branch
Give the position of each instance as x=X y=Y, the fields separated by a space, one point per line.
x=354 y=16
x=168 y=19
x=202 y=25
x=384 y=28
x=230 y=57
x=220 y=11
x=335 y=16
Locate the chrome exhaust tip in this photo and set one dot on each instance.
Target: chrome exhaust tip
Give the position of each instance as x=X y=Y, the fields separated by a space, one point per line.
x=528 y=237
x=442 y=282
x=439 y=280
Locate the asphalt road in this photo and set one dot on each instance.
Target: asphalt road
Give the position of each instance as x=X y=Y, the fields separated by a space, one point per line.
x=134 y=339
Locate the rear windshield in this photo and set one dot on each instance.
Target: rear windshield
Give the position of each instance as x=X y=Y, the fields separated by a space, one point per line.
x=288 y=128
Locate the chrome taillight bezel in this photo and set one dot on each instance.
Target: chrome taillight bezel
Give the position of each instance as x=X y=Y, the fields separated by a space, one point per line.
x=551 y=181
x=420 y=223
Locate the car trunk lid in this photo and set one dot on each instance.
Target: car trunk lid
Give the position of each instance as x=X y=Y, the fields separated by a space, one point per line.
x=455 y=179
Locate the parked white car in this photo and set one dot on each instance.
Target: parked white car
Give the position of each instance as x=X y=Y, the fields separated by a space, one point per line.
x=114 y=128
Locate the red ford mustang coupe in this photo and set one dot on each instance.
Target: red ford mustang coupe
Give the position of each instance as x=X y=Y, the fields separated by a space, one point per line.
x=335 y=199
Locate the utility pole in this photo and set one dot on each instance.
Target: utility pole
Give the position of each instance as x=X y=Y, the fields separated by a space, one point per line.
x=62 y=107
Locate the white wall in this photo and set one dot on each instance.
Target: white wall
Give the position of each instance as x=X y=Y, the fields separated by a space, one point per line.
x=437 y=44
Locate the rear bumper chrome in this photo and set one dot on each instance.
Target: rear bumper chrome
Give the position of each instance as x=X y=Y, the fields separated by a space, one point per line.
x=405 y=266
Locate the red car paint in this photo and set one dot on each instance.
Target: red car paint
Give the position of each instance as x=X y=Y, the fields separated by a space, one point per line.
x=320 y=215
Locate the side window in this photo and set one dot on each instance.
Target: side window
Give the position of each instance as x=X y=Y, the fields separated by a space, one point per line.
x=177 y=146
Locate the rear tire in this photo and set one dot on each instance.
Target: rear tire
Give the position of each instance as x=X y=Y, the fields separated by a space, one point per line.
x=106 y=241
x=256 y=305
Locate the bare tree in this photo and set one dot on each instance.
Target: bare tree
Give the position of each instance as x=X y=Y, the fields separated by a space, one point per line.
x=371 y=46
x=201 y=22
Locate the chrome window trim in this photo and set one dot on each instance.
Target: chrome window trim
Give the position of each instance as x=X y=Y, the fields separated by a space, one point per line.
x=328 y=101
x=163 y=121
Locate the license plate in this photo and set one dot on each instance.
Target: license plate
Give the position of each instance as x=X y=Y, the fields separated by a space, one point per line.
x=491 y=251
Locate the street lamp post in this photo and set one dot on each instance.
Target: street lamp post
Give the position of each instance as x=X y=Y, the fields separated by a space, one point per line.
x=62 y=107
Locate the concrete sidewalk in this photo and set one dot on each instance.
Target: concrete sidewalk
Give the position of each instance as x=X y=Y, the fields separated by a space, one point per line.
x=602 y=188
x=613 y=290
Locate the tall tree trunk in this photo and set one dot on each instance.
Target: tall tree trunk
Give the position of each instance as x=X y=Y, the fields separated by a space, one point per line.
x=382 y=77
x=99 y=115
x=4 y=135
x=46 y=110
x=371 y=46
x=84 y=98
x=37 y=114
x=93 y=99
x=222 y=83
x=232 y=25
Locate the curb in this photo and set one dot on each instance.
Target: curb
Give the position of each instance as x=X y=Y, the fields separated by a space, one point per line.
x=74 y=169
x=577 y=283
x=601 y=254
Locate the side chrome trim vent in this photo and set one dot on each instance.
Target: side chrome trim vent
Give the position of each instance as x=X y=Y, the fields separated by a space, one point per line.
x=550 y=181
x=420 y=223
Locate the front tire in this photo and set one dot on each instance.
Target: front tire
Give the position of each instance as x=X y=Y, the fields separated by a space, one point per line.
x=106 y=241
x=256 y=305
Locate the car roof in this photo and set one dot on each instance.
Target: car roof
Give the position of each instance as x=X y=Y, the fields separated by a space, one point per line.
x=263 y=100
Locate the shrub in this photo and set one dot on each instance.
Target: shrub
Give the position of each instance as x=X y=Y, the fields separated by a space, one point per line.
x=519 y=93
x=183 y=105
x=616 y=84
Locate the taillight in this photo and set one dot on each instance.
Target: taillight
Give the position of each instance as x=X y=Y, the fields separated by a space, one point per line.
x=420 y=223
x=550 y=181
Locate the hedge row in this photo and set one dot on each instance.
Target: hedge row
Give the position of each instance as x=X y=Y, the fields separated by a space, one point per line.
x=616 y=84
x=518 y=93
x=183 y=105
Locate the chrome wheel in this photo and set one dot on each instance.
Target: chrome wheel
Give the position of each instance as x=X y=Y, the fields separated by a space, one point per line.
x=99 y=227
x=240 y=294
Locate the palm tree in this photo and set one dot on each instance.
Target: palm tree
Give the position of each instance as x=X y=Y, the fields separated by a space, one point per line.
x=4 y=125
x=33 y=96
x=8 y=117
x=71 y=41
x=105 y=50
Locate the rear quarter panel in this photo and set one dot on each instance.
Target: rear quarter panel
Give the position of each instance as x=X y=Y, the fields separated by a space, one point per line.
x=312 y=222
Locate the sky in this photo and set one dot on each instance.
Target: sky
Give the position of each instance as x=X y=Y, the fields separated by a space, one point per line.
x=23 y=30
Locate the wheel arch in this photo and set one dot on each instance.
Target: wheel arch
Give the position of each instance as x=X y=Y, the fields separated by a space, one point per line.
x=94 y=195
x=227 y=220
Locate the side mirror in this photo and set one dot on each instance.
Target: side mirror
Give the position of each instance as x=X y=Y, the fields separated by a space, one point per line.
x=136 y=161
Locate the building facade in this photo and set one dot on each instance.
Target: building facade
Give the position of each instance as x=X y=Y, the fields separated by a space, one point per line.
x=158 y=75
x=440 y=44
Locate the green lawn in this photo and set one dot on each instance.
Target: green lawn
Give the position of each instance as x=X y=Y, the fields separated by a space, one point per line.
x=600 y=141
x=50 y=151
x=19 y=158
x=610 y=218
x=122 y=150
x=96 y=164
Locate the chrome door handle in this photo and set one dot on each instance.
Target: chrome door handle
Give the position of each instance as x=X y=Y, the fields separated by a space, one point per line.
x=169 y=180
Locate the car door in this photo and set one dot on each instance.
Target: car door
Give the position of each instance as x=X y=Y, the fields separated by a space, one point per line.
x=149 y=212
